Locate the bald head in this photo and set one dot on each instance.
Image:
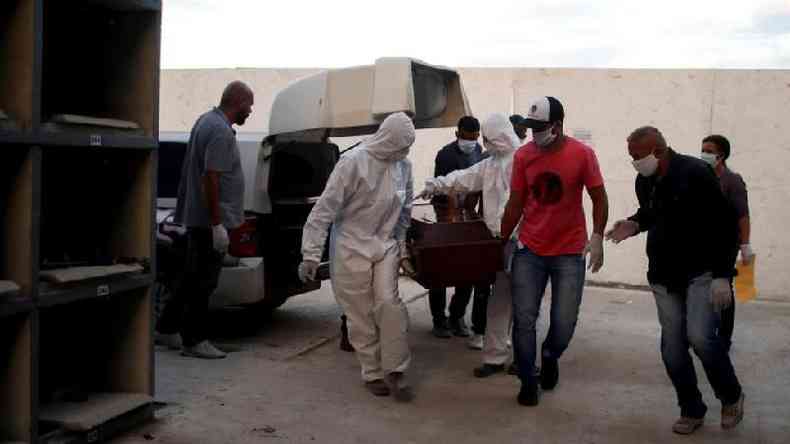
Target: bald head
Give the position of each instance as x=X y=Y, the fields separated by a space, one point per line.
x=236 y=102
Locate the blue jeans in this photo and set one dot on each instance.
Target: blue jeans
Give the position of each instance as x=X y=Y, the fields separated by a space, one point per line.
x=530 y=275
x=690 y=320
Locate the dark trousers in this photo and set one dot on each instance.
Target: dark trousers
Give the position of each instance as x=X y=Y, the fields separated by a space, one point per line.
x=458 y=304
x=689 y=321
x=728 y=322
x=187 y=309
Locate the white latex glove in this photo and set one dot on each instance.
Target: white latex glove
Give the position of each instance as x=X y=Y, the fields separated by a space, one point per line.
x=405 y=262
x=219 y=236
x=720 y=294
x=622 y=230
x=595 y=249
x=509 y=250
x=408 y=268
x=307 y=270
x=428 y=192
x=747 y=254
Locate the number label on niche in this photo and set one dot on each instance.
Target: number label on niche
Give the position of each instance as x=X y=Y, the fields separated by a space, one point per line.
x=95 y=140
x=103 y=290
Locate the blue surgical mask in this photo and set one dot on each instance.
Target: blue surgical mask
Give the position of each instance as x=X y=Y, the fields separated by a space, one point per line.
x=467 y=146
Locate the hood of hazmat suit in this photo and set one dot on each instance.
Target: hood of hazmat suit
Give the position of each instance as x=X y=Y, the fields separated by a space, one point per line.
x=491 y=175
x=368 y=202
x=393 y=139
x=368 y=196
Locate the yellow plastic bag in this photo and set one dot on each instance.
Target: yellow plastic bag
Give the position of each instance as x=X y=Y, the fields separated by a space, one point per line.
x=745 y=290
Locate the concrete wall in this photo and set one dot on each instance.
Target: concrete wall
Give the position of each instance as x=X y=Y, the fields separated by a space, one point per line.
x=749 y=107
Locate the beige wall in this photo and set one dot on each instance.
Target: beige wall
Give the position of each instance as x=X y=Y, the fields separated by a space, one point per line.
x=749 y=107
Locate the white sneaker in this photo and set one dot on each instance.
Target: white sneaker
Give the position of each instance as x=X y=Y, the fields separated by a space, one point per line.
x=475 y=342
x=203 y=350
x=171 y=341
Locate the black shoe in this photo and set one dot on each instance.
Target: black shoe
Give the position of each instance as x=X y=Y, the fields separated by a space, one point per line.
x=550 y=374
x=487 y=370
x=529 y=395
x=345 y=344
x=440 y=330
x=459 y=328
x=378 y=387
x=399 y=387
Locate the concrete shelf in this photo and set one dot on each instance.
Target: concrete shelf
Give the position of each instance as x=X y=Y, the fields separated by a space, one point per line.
x=15 y=306
x=50 y=296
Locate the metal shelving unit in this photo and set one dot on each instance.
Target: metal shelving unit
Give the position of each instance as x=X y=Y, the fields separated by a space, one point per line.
x=79 y=94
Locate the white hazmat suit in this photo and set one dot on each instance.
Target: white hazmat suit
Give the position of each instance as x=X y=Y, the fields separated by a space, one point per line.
x=368 y=201
x=492 y=176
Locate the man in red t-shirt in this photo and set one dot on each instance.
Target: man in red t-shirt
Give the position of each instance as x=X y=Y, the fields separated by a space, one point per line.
x=549 y=174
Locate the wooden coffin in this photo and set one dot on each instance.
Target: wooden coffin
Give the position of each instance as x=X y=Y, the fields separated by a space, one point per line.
x=454 y=254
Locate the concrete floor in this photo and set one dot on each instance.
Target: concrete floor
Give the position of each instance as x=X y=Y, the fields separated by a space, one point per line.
x=287 y=382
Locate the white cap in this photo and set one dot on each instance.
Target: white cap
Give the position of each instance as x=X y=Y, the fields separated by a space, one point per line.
x=544 y=110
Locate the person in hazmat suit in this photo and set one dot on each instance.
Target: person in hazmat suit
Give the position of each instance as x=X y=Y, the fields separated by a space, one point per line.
x=492 y=177
x=367 y=201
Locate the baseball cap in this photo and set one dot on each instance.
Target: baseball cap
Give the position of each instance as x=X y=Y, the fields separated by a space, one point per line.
x=544 y=111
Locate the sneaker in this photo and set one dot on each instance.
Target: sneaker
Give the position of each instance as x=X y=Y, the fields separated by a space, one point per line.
x=529 y=395
x=686 y=426
x=378 y=387
x=732 y=414
x=487 y=370
x=203 y=350
x=171 y=341
x=475 y=342
x=459 y=328
x=440 y=330
x=399 y=387
x=550 y=374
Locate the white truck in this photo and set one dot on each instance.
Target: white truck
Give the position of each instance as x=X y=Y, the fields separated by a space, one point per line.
x=286 y=170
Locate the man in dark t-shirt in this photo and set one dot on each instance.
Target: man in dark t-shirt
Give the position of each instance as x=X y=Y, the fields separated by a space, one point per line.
x=716 y=151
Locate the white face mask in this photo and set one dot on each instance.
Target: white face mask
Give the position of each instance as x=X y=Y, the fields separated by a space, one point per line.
x=710 y=158
x=647 y=165
x=543 y=138
x=467 y=146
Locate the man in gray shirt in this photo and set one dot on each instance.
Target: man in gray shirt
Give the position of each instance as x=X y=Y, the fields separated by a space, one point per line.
x=210 y=202
x=716 y=151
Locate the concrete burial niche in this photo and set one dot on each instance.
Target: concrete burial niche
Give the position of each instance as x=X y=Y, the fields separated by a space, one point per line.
x=79 y=95
x=100 y=61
